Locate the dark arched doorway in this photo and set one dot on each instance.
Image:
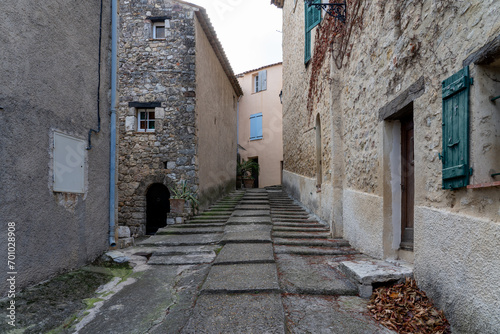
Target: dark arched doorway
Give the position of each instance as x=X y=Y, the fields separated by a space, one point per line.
x=157 y=206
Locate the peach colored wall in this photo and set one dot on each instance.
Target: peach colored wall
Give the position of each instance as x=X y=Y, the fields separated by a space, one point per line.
x=269 y=149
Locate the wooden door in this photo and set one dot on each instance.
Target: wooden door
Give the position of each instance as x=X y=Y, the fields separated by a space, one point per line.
x=407 y=181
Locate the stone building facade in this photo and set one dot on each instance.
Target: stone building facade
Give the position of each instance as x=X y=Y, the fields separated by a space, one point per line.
x=260 y=122
x=372 y=123
x=54 y=191
x=177 y=108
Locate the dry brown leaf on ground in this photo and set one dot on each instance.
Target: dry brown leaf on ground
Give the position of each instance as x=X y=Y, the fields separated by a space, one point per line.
x=407 y=310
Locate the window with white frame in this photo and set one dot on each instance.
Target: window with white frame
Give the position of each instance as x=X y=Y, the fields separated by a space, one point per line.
x=145 y=120
x=159 y=30
x=260 y=81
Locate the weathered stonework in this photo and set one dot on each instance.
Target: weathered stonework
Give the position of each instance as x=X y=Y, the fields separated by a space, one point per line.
x=401 y=53
x=160 y=74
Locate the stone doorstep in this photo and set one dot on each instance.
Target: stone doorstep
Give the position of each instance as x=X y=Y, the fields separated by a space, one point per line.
x=365 y=273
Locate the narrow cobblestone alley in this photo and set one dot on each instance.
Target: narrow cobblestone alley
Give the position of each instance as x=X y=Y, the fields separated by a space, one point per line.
x=255 y=262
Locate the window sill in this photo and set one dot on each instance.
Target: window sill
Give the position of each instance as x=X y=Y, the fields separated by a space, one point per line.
x=256 y=139
x=484 y=185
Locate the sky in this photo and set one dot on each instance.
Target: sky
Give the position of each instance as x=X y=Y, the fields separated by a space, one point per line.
x=249 y=31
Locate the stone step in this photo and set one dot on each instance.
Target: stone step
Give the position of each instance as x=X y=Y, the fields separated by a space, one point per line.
x=366 y=273
x=250 y=213
x=239 y=253
x=301 y=235
x=294 y=217
x=294 y=220
x=197 y=225
x=286 y=209
x=185 y=259
x=210 y=217
x=186 y=230
x=309 y=250
x=300 y=224
x=312 y=242
x=207 y=221
x=220 y=209
x=182 y=240
x=300 y=229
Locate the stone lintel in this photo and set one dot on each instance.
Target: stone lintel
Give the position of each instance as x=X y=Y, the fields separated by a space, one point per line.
x=395 y=108
x=144 y=104
x=485 y=55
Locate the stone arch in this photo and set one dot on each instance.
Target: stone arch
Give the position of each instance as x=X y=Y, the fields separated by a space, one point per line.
x=138 y=225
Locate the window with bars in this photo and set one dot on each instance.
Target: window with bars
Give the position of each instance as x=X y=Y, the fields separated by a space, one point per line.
x=146 y=120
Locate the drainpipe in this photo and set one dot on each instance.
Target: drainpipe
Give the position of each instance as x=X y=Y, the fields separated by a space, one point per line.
x=238 y=126
x=112 y=152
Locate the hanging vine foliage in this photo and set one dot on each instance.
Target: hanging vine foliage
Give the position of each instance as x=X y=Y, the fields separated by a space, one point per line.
x=332 y=37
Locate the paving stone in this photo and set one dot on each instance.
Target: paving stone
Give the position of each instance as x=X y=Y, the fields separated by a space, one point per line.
x=247 y=237
x=302 y=224
x=184 y=259
x=312 y=275
x=182 y=240
x=239 y=278
x=250 y=213
x=245 y=253
x=168 y=292
x=249 y=220
x=324 y=314
x=237 y=313
x=198 y=225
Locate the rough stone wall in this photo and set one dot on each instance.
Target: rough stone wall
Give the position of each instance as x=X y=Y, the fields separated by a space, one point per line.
x=49 y=65
x=401 y=44
x=155 y=71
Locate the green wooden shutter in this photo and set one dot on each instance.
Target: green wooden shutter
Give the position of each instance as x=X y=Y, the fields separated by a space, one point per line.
x=312 y=19
x=455 y=156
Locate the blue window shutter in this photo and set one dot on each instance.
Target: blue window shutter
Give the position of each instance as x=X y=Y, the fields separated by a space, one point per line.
x=455 y=123
x=256 y=126
x=263 y=80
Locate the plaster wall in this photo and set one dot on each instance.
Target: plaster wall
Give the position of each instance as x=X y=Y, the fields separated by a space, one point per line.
x=216 y=103
x=455 y=264
x=269 y=149
x=363 y=221
x=49 y=81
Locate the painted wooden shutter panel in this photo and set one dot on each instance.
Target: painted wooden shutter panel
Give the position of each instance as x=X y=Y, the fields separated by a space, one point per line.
x=312 y=19
x=455 y=94
x=256 y=126
x=263 y=80
x=307 y=52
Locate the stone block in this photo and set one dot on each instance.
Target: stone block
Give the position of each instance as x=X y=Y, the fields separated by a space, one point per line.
x=179 y=220
x=123 y=232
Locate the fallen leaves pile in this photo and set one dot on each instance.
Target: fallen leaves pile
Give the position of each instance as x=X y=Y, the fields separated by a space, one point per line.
x=405 y=309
